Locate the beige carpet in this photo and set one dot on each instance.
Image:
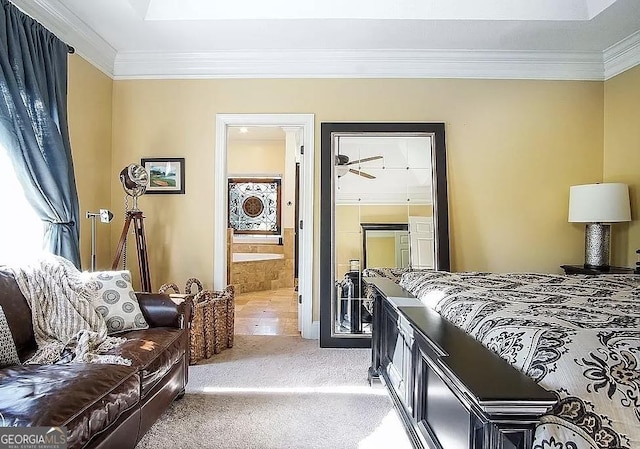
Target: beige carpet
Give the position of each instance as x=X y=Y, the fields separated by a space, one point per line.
x=274 y=392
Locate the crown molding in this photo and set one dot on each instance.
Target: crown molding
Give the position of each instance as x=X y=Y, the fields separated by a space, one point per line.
x=478 y=64
x=58 y=19
x=361 y=64
x=622 y=56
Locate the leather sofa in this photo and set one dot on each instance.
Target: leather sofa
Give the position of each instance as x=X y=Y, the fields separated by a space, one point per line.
x=101 y=406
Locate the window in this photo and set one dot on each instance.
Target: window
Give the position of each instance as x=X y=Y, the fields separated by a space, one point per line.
x=254 y=205
x=21 y=230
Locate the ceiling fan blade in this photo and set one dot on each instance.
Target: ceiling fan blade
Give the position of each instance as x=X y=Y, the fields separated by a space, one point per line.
x=366 y=159
x=361 y=173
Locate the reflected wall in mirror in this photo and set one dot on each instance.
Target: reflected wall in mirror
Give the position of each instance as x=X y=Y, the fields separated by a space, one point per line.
x=385 y=245
x=383 y=205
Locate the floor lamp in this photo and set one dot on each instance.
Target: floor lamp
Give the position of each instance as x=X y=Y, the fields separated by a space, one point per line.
x=105 y=217
x=598 y=205
x=134 y=179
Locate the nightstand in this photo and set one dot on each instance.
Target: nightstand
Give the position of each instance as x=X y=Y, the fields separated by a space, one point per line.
x=580 y=269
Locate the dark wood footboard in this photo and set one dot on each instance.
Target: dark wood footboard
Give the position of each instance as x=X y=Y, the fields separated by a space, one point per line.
x=451 y=391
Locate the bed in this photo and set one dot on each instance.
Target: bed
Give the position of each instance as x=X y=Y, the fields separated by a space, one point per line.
x=577 y=337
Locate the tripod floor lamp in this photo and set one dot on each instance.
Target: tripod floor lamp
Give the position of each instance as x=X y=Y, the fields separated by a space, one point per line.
x=134 y=180
x=598 y=205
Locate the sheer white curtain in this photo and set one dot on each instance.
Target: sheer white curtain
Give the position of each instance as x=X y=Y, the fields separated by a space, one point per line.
x=21 y=230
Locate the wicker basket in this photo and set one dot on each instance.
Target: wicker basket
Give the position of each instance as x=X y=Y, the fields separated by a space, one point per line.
x=212 y=319
x=165 y=287
x=197 y=338
x=224 y=310
x=200 y=322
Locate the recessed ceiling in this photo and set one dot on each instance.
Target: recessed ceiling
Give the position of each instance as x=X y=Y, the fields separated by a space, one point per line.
x=548 y=39
x=402 y=175
x=371 y=9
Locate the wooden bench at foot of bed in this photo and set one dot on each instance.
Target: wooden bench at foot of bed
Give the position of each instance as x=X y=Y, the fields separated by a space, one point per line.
x=451 y=391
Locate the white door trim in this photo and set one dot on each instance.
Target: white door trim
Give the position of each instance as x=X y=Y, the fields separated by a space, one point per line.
x=307 y=182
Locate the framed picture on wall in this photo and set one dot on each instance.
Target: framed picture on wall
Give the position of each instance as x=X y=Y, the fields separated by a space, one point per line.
x=166 y=174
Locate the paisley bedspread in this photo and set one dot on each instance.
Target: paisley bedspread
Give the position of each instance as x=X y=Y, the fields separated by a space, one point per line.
x=578 y=336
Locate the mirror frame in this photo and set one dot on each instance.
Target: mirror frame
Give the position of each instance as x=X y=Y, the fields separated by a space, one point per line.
x=366 y=227
x=327 y=181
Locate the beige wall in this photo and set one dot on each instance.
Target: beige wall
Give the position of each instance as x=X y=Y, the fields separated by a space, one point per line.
x=255 y=157
x=381 y=252
x=514 y=148
x=622 y=157
x=90 y=110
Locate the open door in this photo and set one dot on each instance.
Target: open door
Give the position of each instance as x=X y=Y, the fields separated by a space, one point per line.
x=422 y=243
x=299 y=233
x=296 y=254
x=403 y=255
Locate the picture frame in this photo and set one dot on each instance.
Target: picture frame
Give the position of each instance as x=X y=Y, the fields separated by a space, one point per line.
x=166 y=174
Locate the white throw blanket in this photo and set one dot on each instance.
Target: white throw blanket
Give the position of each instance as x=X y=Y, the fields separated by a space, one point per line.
x=66 y=326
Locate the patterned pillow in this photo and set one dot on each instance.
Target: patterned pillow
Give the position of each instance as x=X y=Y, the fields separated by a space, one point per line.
x=116 y=301
x=8 y=353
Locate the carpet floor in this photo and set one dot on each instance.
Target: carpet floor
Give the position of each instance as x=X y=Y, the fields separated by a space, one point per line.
x=277 y=392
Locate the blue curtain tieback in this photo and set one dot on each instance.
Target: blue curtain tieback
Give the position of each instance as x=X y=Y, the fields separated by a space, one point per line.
x=61 y=223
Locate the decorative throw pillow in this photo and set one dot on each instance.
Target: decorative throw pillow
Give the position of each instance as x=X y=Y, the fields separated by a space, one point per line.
x=8 y=353
x=116 y=301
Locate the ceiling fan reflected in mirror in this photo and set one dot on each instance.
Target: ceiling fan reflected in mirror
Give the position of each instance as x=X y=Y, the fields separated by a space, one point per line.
x=343 y=163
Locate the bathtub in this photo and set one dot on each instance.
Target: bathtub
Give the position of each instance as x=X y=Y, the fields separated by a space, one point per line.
x=253 y=257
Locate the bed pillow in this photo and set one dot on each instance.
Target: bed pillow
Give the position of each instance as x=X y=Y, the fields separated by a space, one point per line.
x=117 y=302
x=8 y=352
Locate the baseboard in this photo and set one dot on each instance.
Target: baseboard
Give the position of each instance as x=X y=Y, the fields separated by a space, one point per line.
x=314 y=332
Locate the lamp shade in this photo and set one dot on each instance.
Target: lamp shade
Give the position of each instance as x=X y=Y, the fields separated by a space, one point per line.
x=599 y=203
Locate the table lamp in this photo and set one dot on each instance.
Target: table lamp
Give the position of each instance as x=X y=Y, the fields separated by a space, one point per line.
x=598 y=205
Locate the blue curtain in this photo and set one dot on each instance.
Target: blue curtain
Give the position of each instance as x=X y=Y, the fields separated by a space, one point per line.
x=33 y=126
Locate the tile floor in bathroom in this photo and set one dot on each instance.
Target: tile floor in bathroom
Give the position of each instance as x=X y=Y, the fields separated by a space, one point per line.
x=269 y=312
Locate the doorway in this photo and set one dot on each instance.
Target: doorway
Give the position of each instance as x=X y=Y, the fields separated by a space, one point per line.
x=261 y=238
x=303 y=123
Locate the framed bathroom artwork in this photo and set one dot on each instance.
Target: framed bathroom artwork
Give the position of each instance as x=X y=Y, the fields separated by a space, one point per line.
x=166 y=174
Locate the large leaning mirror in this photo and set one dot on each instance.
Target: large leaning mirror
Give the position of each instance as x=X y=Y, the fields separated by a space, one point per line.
x=383 y=206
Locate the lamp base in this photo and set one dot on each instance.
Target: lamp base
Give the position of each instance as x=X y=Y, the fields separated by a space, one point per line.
x=597 y=241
